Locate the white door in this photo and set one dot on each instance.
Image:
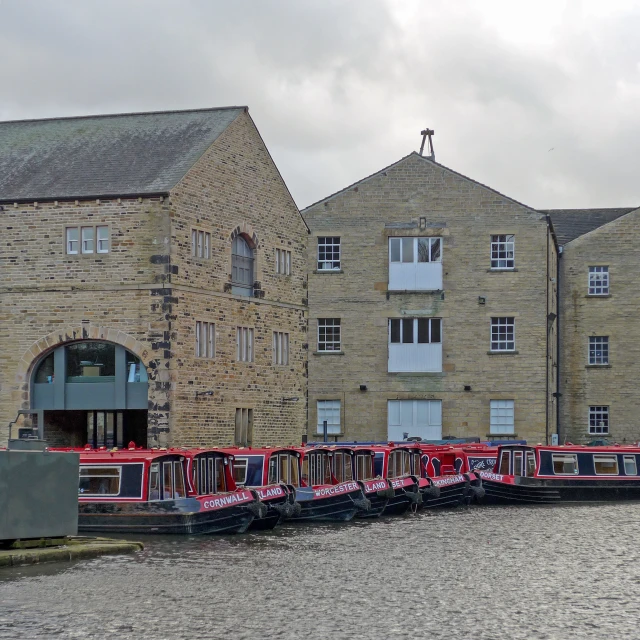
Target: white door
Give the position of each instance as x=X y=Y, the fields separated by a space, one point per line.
x=406 y=418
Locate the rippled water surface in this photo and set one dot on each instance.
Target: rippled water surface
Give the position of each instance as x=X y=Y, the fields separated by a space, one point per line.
x=481 y=572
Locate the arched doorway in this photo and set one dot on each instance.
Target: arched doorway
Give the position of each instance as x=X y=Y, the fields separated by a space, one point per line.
x=91 y=392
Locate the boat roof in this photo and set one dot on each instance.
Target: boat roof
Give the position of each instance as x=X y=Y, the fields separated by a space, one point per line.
x=104 y=455
x=253 y=451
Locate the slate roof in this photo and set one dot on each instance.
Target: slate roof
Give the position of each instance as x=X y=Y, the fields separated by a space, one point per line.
x=569 y=224
x=131 y=154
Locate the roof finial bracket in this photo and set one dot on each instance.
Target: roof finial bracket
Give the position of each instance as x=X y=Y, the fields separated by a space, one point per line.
x=427 y=133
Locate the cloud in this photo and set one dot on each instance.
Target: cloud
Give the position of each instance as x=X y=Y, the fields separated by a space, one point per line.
x=341 y=89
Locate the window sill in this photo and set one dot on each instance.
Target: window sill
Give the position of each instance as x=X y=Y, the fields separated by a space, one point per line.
x=502 y=353
x=415 y=373
x=429 y=292
x=598 y=295
x=328 y=353
x=329 y=435
x=324 y=272
x=597 y=366
x=502 y=270
x=502 y=436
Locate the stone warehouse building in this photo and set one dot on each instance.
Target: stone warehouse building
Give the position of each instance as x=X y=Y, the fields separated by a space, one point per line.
x=433 y=309
x=153 y=281
x=599 y=328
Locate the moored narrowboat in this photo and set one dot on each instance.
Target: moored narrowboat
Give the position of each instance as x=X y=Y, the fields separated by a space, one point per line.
x=569 y=473
x=395 y=463
x=150 y=491
x=273 y=473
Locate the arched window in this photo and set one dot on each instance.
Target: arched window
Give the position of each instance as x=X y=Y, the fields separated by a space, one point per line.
x=241 y=267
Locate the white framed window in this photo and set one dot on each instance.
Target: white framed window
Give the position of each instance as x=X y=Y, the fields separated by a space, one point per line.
x=205 y=340
x=502 y=417
x=87 y=239
x=72 y=234
x=200 y=244
x=415 y=264
x=102 y=235
x=329 y=334
x=630 y=466
x=598 y=420
x=598 y=349
x=503 y=252
x=280 y=347
x=598 y=281
x=415 y=345
x=503 y=334
x=328 y=253
x=244 y=344
x=283 y=262
x=605 y=465
x=244 y=427
x=329 y=410
x=565 y=464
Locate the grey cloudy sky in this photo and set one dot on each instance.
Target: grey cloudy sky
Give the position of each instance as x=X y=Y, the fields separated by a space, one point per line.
x=539 y=100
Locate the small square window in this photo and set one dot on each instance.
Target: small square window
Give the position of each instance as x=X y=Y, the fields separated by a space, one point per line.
x=502 y=417
x=87 y=239
x=598 y=281
x=329 y=334
x=329 y=410
x=598 y=420
x=503 y=334
x=328 y=253
x=503 y=252
x=598 y=350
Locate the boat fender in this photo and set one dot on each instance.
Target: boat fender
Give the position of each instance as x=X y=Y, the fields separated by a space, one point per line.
x=297 y=509
x=363 y=504
x=386 y=494
x=476 y=490
x=415 y=497
x=259 y=509
x=431 y=492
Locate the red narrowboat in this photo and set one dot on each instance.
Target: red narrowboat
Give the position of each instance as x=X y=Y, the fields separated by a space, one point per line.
x=318 y=494
x=273 y=473
x=397 y=465
x=569 y=473
x=445 y=468
x=150 y=491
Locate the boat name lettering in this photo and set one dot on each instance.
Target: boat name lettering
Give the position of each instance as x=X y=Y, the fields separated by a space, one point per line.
x=345 y=487
x=270 y=492
x=487 y=475
x=401 y=482
x=377 y=485
x=225 y=501
x=443 y=482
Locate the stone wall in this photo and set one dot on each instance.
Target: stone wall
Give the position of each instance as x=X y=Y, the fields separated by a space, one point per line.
x=418 y=198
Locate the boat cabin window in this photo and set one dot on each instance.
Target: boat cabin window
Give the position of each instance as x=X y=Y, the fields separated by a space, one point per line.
x=630 y=466
x=565 y=463
x=154 y=482
x=317 y=467
x=606 y=465
x=531 y=463
x=167 y=480
x=178 y=480
x=294 y=476
x=99 y=481
x=283 y=461
x=399 y=464
x=208 y=474
x=342 y=468
x=505 y=458
x=517 y=463
x=417 y=466
x=273 y=470
x=240 y=471
x=364 y=466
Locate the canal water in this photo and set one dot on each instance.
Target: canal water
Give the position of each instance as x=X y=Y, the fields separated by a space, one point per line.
x=477 y=573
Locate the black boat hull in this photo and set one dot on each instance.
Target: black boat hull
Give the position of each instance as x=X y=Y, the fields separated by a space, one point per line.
x=537 y=491
x=166 y=517
x=340 y=507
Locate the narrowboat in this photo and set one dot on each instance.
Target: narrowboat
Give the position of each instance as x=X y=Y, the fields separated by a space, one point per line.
x=357 y=463
x=318 y=494
x=446 y=468
x=569 y=473
x=273 y=473
x=397 y=465
x=150 y=491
